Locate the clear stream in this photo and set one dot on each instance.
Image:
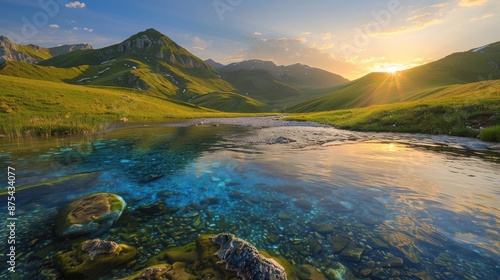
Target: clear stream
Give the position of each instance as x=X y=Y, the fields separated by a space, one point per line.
x=436 y=207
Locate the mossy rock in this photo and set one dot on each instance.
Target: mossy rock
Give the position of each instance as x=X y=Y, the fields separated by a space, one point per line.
x=89 y=216
x=185 y=254
x=308 y=272
x=78 y=265
x=200 y=260
x=290 y=271
x=177 y=271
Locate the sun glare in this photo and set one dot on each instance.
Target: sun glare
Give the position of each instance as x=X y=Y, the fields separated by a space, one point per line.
x=390 y=68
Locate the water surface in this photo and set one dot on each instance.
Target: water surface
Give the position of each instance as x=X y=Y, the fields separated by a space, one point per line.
x=437 y=208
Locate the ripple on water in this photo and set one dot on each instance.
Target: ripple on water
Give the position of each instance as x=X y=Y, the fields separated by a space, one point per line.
x=386 y=202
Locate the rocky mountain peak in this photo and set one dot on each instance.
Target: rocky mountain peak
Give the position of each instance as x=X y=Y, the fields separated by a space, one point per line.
x=9 y=51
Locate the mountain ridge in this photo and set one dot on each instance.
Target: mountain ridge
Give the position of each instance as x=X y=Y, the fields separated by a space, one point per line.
x=151 y=63
x=10 y=51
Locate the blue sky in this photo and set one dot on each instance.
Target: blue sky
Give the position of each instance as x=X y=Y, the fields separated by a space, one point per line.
x=351 y=38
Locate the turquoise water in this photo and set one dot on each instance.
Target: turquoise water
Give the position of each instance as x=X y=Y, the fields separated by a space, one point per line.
x=436 y=209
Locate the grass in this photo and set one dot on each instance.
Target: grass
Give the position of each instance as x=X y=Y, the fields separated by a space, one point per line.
x=491 y=133
x=460 y=115
x=27 y=109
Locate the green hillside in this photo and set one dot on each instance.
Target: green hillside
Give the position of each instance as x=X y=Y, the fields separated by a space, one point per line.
x=422 y=82
x=45 y=73
x=460 y=110
x=230 y=102
x=34 y=107
x=261 y=85
x=148 y=61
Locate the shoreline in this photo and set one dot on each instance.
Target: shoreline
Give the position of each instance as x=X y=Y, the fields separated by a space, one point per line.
x=301 y=134
x=297 y=134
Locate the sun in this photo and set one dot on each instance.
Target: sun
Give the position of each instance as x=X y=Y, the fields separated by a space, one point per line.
x=392 y=68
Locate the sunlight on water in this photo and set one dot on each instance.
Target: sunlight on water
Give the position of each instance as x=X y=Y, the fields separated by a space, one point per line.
x=436 y=210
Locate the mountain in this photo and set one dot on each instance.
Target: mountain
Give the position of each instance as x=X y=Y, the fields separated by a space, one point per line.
x=64 y=49
x=422 y=82
x=214 y=64
x=149 y=61
x=10 y=51
x=152 y=63
x=300 y=76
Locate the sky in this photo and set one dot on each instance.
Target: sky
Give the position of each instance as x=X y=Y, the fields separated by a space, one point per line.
x=350 y=38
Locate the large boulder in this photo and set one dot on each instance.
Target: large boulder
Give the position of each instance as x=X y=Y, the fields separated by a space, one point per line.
x=89 y=216
x=93 y=259
x=202 y=261
x=240 y=256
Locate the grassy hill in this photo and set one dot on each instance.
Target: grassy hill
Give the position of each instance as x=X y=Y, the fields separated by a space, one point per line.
x=461 y=110
x=34 y=107
x=230 y=102
x=423 y=82
x=261 y=85
x=44 y=73
x=148 y=61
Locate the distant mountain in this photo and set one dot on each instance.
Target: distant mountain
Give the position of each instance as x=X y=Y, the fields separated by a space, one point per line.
x=10 y=51
x=151 y=62
x=423 y=82
x=214 y=64
x=148 y=60
x=297 y=75
x=64 y=49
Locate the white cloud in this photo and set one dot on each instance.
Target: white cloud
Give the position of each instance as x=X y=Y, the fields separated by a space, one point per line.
x=468 y=3
x=76 y=4
x=481 y=17
x=82 y=28
x=257 y=33
x=420 y=18
x=328 y=36
x=55 y=26
x=201 y=44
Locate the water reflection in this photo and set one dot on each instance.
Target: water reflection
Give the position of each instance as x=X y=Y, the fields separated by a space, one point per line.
x=439 y=211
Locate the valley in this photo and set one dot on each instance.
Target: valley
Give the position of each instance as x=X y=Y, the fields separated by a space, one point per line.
x=150 y=78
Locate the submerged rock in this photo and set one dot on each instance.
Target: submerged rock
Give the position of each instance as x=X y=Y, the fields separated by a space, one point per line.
x=90 y=215
x=163 y=271
x=155 y=209
x=241 y=256
x=323 y=228
x=352 y=253
x=97 y=246
x=339 y=272
x=93 y=259
x=338 y=243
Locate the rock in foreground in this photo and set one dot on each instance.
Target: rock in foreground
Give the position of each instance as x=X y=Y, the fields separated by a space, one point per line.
x=240 y=256
x=93 y=259
x=89 y=216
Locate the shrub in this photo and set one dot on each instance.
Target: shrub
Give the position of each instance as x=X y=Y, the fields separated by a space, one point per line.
x=491 y=134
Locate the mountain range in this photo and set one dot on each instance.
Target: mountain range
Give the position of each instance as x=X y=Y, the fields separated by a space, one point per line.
x=149 y=63
x=10 y=51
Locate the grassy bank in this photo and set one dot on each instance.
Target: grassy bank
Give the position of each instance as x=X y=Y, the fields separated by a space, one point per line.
x=34 y=107
x=462 y=115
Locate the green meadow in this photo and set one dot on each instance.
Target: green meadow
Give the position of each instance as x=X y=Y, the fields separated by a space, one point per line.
x=36 y=107
x=471 y=107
